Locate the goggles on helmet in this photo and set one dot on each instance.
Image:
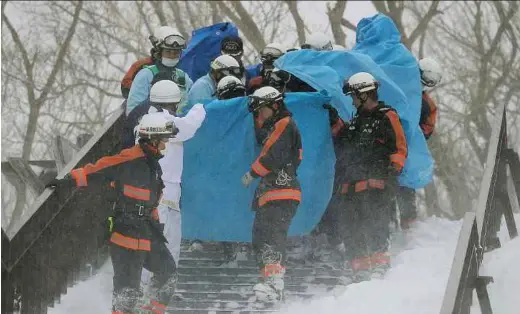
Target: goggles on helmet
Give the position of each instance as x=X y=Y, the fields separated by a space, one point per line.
x=269 y=54
x=174 y=42
x=234 y=71
x=352 y=89
x=231 y=90
x=255 y=102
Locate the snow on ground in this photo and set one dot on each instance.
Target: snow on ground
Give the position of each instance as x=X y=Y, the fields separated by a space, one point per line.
x=415 y=284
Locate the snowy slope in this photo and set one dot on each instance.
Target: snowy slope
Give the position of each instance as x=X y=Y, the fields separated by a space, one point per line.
x=415 y=284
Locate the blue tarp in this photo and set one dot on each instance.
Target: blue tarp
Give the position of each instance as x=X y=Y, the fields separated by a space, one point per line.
x=203 y=47
x=379 y=52
x=215 y=204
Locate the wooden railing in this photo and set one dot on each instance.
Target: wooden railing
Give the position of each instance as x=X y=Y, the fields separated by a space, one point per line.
x=60 y=241
x=498 y=194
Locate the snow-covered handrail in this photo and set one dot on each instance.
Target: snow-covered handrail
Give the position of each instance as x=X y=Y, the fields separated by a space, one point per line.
x=479 y=229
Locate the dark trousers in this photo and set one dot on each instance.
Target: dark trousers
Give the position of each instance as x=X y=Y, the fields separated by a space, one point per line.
x=329 y=223
x=270 y=229
x=128 y=265
x=405 y=200
x=365 y=218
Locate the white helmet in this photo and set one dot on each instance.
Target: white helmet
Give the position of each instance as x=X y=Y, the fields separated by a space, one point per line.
x=225 y=65
x=361 y=82
x=165 y=92
x=431 y=72
x=166 y=37
x=272 y=51
x=230 y=87
x=338 y=47
x=224 y=62
x=265 y=96
x=318 y=41
x=156 y=126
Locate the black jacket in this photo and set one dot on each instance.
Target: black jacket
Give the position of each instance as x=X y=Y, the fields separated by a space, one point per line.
x=135 y=175
x=371 y=146
x=279 y=160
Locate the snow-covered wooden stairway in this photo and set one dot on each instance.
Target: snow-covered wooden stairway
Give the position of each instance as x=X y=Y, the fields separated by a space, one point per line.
x=209 y=285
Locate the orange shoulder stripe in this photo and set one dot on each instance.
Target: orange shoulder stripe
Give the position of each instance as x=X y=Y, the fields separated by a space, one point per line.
x=109 y=161
x=279 y=127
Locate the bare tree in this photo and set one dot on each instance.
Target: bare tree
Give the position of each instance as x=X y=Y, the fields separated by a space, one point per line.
x=70 y=69
x=37 y=94
x=335 y=17
x=479 y=53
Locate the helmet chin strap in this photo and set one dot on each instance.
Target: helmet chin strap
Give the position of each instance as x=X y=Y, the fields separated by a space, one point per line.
x=363 y=97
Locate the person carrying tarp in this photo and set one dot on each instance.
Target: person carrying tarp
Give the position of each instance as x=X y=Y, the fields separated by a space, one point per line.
x=431 y=75
x=373 y=154
x=136 y=239
x=268 y=56
x=279 y=193
x=169 y=44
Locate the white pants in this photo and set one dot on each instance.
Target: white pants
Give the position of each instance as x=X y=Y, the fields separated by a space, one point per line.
x=170 y=216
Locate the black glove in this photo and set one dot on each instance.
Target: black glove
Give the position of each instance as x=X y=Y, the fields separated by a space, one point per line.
x=333 y=114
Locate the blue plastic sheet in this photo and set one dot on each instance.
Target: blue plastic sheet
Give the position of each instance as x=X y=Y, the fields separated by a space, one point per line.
x=215 y=205
x=379 y=52
x=204 y=47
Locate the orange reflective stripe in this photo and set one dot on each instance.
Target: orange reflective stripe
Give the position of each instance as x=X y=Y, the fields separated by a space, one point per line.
x=375 y=183
x=130 y=243
x=259 y=169
x=344 y=188
x=279 y=127
x=136 y=193
x=155 y=307
x=361 y=186
x=380 y=259
x=283 y=194
x=272 y=269
x=301 y=154
x=361 y=263
x=400 y=139
x=79 y=176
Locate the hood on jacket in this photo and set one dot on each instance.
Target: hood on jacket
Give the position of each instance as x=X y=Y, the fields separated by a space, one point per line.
x=377 y=29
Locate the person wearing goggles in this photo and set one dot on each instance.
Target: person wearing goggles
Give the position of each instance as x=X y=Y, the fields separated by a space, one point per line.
x=278 y=194
x=205 y=88
x=268 y=56
x=168 y=44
